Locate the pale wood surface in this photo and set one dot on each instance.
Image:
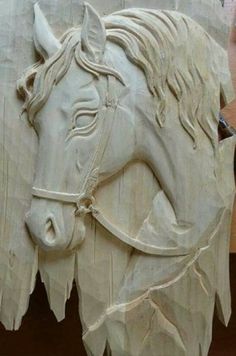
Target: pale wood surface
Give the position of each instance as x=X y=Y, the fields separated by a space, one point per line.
x=233 y=234
x=230 y=114
x=19 y=258
x=230 y=110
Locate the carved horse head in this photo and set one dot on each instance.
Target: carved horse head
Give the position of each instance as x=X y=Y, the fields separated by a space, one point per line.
x=72 y=126
x=129 y=86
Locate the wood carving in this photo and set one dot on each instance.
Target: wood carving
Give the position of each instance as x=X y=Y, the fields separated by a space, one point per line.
x=133 y=192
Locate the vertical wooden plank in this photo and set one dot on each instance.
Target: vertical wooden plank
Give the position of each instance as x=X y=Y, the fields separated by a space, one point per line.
x=18 y=256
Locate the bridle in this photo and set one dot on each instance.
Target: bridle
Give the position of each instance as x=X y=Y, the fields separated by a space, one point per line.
x=85 y=201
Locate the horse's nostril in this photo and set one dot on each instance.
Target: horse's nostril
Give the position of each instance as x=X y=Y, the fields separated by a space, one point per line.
x=50 y=233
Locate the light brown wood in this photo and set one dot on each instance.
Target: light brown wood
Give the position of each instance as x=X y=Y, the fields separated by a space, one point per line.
x=233 y=233
x=229 y=113
x=230 y=110
x=149 y=253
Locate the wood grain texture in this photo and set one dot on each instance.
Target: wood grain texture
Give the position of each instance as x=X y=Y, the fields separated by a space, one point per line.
x=233 y=234
x=41 y=334
x=230 y=110
x=229 y=113
x=103 y=267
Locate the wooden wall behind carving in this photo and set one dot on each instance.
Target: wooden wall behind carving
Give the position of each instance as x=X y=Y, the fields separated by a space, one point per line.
x=233 y=240
x=230 y=111
x=230 y=114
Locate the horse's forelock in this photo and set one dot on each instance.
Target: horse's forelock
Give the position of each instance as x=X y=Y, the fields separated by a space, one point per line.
x=37 y=81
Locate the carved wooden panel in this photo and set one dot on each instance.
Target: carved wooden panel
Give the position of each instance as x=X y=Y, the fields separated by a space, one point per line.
x=112 y=173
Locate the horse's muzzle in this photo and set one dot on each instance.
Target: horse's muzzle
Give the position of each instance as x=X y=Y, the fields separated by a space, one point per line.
x=45 y=233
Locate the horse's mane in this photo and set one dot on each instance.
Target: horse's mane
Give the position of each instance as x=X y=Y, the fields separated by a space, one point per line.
x=173 y=51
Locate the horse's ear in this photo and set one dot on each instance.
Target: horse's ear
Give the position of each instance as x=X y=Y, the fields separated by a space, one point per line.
x=93 y=34
x=45 y=42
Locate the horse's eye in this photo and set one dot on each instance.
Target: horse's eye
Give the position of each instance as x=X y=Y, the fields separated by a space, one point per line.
x=83 y=121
